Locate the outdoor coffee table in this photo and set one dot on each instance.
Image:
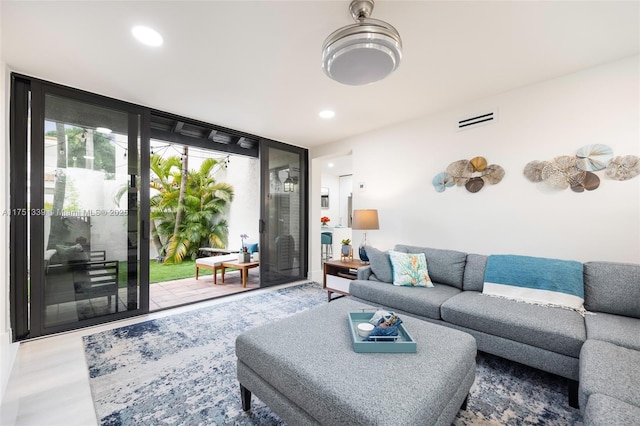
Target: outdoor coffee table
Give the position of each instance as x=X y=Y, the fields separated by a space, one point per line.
x=305 y=369
x=242 y=266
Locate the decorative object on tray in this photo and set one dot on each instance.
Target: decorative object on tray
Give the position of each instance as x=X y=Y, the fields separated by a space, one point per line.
x=388 y=333
x=325 y=220
x=472 y=174
x=578 y=172
x=385 y=325
x=364 y=329
x=346 y=253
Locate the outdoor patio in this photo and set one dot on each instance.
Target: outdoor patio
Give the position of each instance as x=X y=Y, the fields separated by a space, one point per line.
x=188 y=290
x=162 y=295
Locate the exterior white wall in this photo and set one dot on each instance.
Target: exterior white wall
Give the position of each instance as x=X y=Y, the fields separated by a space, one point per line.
x=243 y=216
x=538 y=122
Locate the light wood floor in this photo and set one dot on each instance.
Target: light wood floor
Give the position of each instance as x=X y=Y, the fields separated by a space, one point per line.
x=49 y=383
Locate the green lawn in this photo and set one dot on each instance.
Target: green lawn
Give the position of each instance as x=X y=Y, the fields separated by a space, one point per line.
x=159 y=272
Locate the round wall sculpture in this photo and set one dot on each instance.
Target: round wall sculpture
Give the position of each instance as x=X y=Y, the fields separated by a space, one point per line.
x=472 y=174
x=577 y=172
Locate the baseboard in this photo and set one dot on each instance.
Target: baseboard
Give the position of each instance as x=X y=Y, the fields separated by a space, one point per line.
x=8 y=352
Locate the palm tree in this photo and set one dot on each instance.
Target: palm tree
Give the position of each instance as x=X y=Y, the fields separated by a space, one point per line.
x=205 y=201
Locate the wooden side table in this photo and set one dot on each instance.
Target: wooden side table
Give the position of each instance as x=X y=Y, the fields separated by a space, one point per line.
x=244 y=269
x=337 y=274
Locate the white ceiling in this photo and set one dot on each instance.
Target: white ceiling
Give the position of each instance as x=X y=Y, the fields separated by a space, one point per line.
x=255 y=66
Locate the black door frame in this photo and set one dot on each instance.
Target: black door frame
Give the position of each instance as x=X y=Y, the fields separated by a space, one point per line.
x=151 y=122
x=303 y=153
x=28 y=96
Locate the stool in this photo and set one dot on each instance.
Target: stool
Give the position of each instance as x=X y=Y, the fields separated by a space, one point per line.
x=326 y=238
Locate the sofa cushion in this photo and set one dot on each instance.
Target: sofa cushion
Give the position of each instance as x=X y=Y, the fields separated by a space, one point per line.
x=414 y=300
x=380 y=264
x=611 y=370
x=474 y=272
x=602 y=410
x=410 y=269
x=71 y=253
x=555 y=329
x=616 y=329
x=445 y=266
x=612 y=287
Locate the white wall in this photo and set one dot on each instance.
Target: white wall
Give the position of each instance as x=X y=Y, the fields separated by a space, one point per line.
x=556 y=117
x=333 y=212
x=7 y=349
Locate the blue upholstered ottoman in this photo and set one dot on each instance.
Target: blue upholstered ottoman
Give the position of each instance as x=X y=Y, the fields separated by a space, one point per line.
x=304 y=368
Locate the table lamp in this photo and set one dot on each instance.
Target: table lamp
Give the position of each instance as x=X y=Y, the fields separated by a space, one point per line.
x=365 y=220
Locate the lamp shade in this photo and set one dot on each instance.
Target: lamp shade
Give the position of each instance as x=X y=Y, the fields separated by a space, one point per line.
x=365 y=219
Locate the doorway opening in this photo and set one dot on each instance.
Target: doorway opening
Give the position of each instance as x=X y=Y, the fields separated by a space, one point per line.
x=219 y=202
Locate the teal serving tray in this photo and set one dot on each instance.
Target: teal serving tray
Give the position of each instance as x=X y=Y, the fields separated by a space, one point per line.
x=404 y=343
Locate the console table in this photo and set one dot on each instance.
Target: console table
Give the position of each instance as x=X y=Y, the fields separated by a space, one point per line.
x=337 y=274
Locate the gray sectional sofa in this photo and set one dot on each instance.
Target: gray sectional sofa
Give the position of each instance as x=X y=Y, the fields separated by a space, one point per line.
x=599 y=353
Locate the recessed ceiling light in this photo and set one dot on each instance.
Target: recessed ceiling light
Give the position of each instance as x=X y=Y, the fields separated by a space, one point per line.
x=330 y=164
x=327 y=113
x=147 y=35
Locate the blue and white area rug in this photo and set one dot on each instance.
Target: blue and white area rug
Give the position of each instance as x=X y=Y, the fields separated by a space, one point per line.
x=181 y=370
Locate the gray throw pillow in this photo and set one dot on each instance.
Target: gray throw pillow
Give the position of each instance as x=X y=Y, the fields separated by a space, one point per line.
x=380 y=264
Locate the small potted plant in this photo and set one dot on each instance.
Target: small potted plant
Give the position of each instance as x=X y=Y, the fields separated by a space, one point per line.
x=325 y=220
x=244 y=256
x=346 y=247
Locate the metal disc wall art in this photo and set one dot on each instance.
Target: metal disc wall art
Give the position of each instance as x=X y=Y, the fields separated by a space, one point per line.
x=594 y=157
x=562 y=172
x=590 y=182
x=474 y=184
x=623 y=168
x=442 y=181
x=474 y=174
x=478 y=163
x=461 y=171
x=533 y=170
x=577 y=172
x=493 y=174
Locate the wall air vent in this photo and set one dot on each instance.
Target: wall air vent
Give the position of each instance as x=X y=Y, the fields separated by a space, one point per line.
x=476 y=120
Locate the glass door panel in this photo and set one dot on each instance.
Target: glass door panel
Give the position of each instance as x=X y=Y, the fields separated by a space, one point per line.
x=84 y=197
x=283 y=220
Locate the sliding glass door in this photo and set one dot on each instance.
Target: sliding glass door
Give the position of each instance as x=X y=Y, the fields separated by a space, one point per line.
x=82 y=211
x=283 y=223
x=79 y=213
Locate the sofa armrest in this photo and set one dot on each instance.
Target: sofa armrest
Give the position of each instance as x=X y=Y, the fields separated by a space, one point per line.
x=364 y=273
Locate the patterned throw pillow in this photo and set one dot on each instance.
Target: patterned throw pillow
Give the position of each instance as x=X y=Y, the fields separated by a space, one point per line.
x=410 y=269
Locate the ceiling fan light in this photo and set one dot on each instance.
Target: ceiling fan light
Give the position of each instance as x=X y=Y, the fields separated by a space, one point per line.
x=364 y=52
x=361 y=59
